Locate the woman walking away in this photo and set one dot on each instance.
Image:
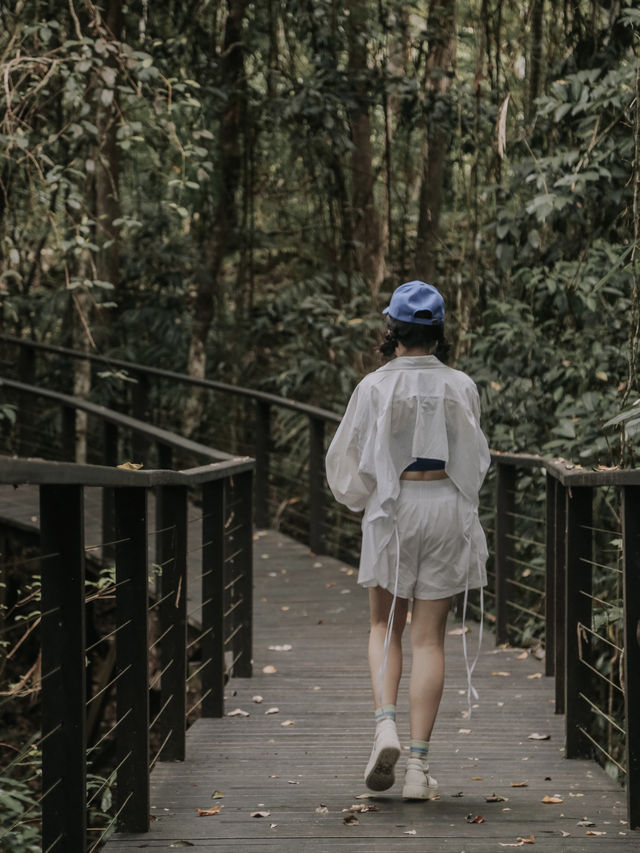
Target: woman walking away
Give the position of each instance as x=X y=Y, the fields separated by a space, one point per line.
x=410 y=453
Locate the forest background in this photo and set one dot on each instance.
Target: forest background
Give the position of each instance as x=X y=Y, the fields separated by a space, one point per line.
x=233 y=189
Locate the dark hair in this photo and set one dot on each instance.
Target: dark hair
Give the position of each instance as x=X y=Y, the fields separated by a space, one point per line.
x=413 y=335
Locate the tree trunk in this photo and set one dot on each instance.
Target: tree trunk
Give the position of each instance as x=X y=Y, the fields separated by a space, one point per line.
x=369 y=232
x=535 y=56
x=440 y=70
x=107 y=161
x=230 y=160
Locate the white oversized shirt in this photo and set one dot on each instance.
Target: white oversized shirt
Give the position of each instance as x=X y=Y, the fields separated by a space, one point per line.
x=412 y=407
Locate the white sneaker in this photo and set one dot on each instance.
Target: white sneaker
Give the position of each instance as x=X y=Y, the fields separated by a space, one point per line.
x=418 y=785
x=380 y=774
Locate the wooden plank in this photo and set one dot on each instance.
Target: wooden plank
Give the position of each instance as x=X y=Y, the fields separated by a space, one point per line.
x=322 y=684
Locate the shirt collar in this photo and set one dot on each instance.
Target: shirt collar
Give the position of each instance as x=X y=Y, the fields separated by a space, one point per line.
x=412 y=362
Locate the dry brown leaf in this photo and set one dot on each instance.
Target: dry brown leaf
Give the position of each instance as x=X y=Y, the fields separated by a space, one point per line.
x=457 y=632
x=519 y=784
x=530 y=840
x=272 y=711
x=211 y=811
x=585 y=822
x=535 y=675
x=522 y=656
x=575 y=795
x=285 y=607
x=502 y=674
x=596 y=832
x=410 y=832
x=269 y=669
x=351 y=820
x=565 y=834
x=477 y=819
x=477 y=778
x=551 y=800
x=284 y=647
x=130 y=466
x=322 y=810
x=260 y=814
x=537 y=736
x=257 y=699
x=238 y=712
x=510 y=843
x=496 y=798
x=364 y=796
x=464 y=731
x=217 y=795
x=288 y=723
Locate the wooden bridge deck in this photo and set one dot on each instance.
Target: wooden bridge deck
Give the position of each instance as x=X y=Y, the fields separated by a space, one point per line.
x=301 y=767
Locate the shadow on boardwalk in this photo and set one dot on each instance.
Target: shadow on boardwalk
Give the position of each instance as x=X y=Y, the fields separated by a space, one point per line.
x=312 y=752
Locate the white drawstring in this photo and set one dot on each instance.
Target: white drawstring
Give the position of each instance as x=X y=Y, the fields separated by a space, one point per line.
x=387 y=636
x=471 y=691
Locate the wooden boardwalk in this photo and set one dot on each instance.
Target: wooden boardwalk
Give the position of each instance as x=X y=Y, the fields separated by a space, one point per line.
x=301 y=767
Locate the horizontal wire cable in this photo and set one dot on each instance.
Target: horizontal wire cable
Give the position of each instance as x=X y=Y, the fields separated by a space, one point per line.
x=109 y=685
x=109 y=732
x=602 y=713
x=198 y=670
x=161 y=712
x=602 y=749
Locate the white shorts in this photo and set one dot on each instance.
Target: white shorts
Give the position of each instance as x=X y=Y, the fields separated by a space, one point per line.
x=441 y=543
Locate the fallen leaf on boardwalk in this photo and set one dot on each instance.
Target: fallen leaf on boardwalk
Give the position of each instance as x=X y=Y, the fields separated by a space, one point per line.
x=182 y=844
x=317 y=565
x=477 y=778
x=538 y=653
x=316 y=687
x=130 y=466
x=257 y=699
x=585 y=822
x=351 y=820
x=502 y=674
x=260 y=814
x=364 y=796
x=459 y=794
x=286 y=647
x=410 y=832
x=362 y=807
x=288 y=723
x=565 y=834
x=217 y=795
x=519 y=784
x=238 y=712
x=510 y=843
x=530 y=840
x=292 y=782
x=596 y=832
x=551 y=800
x=285 y=607
x=535 y=675
x=212 y=810
x=464 y=731
x=576 y=795
x=272 y=711
x=522 y=656
x=477 y=819
x=457 y=632
x=496 y=798
x=330 y=584
x=536 y=736
x=269 y=669
x=322 y=810
x=272 y=825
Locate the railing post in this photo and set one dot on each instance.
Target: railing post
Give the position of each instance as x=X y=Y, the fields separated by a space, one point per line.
x=212 y=643
x=110 y=455
x=550 y=573
x=316 y=479
x=578 y=611
x=132 y=659
x=262 y=450
x=64 y=697
x=243 y=639
x=504 y=529
x=631 y=582
x=69 y=434
x=172 y=618
x=165 y=456
x=560 y=591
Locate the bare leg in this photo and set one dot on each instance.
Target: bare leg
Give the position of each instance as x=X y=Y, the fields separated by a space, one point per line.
x=428 y=623
x=380 y=604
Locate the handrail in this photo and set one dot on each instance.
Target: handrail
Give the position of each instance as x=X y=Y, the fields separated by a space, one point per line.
x=160 y=373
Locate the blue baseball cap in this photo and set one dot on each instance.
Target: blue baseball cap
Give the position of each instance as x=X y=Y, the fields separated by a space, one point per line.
x=416 y=302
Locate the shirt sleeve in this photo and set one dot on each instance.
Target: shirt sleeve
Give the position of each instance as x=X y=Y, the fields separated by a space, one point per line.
x=350 y=485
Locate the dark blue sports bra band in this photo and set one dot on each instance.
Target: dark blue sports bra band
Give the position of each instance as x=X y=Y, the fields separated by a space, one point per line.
x=426 y=465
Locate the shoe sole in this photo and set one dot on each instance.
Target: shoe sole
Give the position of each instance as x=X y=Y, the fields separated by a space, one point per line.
x=382 y=775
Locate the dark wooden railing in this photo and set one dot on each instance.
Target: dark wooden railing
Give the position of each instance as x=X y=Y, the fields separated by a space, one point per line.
x=546 y=582
x=221 y=624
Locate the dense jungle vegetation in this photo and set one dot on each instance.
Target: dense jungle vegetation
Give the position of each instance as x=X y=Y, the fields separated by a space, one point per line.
x=234 y=188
